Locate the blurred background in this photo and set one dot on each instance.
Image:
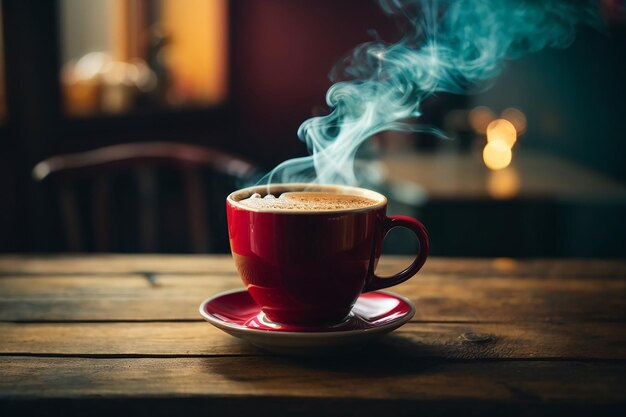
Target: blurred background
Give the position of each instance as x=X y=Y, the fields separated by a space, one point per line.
x=125 y=123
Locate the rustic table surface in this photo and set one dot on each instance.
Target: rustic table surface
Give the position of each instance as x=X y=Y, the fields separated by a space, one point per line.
x=121 y=335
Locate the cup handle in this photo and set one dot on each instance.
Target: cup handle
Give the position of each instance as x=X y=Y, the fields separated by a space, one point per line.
x=374 y=282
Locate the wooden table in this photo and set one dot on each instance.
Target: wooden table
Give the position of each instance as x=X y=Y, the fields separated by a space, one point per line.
x=121 y=335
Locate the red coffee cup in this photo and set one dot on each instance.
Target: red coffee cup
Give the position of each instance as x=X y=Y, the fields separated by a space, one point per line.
x=308 y=267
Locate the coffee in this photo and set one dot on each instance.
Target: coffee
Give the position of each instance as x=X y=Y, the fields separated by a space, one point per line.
x=305 y=252
x=308 y=201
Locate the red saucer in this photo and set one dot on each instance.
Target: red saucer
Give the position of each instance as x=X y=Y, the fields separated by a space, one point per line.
x=375 y=313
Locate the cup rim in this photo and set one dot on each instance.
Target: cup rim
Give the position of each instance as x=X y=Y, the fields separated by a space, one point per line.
x=381 y=200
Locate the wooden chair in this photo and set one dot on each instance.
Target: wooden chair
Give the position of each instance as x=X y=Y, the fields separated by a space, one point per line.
x=101 y=169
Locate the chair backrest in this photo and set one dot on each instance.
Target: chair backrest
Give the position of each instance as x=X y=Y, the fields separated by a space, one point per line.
x=88 y=181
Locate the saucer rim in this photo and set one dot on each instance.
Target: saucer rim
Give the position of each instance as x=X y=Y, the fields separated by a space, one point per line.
x=221 y=324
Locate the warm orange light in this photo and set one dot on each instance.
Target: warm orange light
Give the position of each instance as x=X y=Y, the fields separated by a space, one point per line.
x=503 y=130
x=197 y=52
x=480 y=117
x=497 y=154
x=516 y=117
x=504 y=183
x=504 y=264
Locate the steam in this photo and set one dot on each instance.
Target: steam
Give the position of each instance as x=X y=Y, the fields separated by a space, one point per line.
x=448 y=46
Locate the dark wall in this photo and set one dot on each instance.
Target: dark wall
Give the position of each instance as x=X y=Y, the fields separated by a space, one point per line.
x=282 y=53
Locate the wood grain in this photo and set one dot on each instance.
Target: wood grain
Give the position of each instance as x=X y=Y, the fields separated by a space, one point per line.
x=490 y=337
x=127 y=287
x=108 y=298
x=223 y=264
x=606 y=341
x=116 y=264
x=453 y=297
x=356 y=377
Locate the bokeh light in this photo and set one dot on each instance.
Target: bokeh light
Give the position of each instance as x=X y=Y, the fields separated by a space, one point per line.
x=502 y=130
x=480 y=117
x=497 y=154
x=517 y=118
x=504 y=183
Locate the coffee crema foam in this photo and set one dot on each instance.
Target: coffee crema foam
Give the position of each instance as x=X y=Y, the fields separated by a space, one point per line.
x=306 y=201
